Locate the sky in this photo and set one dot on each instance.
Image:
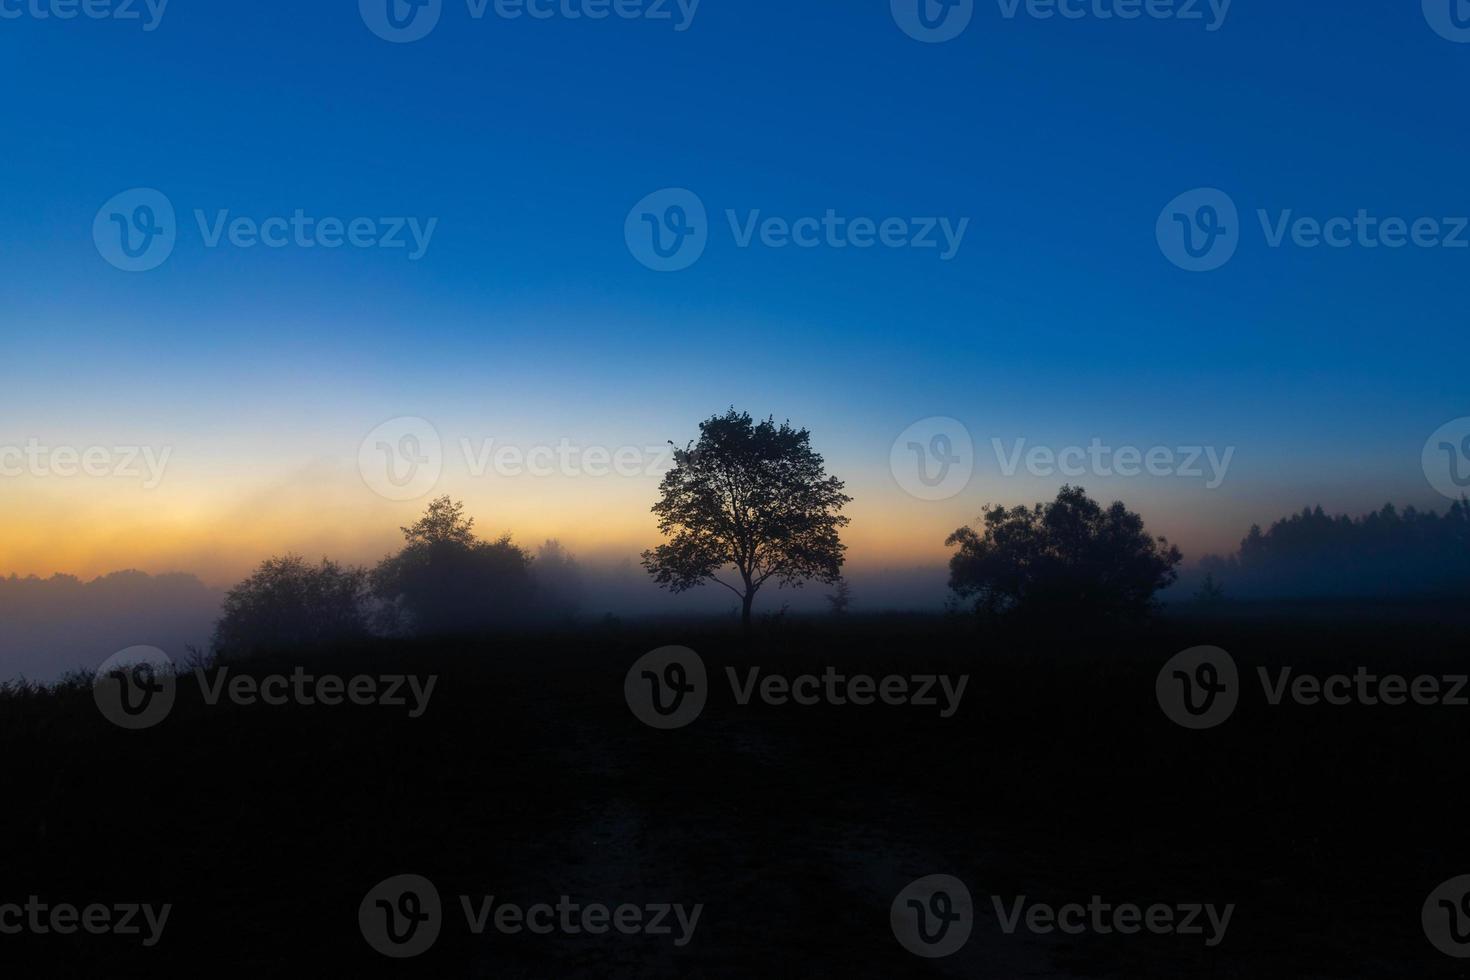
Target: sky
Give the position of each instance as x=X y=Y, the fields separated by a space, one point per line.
x=529 y=153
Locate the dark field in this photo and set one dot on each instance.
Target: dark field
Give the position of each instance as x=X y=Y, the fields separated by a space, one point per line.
x=528 y=778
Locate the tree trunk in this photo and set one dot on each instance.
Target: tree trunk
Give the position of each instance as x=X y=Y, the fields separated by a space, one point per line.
x=745 y=603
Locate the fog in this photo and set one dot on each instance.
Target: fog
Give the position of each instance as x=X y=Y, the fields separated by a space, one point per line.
x=49 y=627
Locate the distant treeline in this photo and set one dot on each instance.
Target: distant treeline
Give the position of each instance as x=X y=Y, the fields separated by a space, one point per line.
x=52 y=625
x=1387 y=553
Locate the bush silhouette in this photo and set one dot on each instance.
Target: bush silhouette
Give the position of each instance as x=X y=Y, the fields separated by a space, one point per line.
x=287 y=604
x=446 y=581
x=1070 y=556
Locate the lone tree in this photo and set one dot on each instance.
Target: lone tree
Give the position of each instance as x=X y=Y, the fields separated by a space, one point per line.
x=1069 y=557
x=1211 y=593
x=752 y=497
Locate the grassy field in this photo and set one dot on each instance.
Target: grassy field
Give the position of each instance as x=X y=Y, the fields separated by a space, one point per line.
x=527 y=777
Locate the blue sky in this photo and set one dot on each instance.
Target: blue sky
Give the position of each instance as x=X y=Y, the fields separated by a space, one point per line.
x=1059 y=319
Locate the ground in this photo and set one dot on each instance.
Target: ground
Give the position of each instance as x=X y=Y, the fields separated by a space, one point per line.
x=528 y=778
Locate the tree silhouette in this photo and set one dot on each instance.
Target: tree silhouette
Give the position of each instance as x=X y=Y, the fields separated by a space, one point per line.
x=750 y=496
x=287 y=604
x=838 y=601
x=558 y=578
x=447 y=581
x=443 y=523
x=1070 y=556
x=1210 y=593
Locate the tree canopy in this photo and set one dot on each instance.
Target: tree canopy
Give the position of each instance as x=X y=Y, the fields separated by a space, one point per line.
x=753 y=498
x=447 y=581
x=288 y=604
x=1071 y=555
